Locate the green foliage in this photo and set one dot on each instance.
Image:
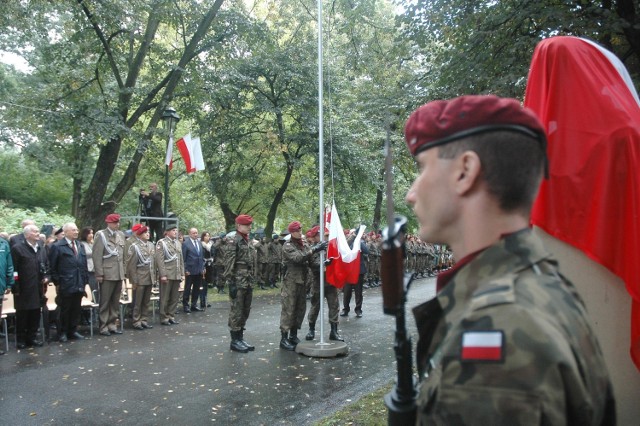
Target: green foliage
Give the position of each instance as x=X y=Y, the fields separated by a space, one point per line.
x=11 y=217
x=25 y=185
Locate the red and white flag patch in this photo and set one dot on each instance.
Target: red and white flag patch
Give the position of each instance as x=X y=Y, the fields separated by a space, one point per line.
x=482 y=346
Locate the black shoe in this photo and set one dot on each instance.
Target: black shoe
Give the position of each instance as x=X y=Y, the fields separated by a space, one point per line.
x=21 y=345
x=196 y=309
x=1 y=352
x=147 y=325
x=116 y=331
x=138 y=327
x=166 y=322
x=359 y=314
x=311 y=334
x=172 y=321
x=187 y=310
x=105 y=333
x=286 y=344
x=238 y=346
x=76 y=336
x=208 y=305
x=293 y=337
x=344 y=313
x=62 y=338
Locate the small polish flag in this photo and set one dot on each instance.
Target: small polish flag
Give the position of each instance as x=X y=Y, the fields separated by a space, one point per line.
x=483 y=346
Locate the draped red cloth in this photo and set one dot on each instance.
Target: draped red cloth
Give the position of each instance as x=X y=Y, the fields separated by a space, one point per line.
x=584 y=97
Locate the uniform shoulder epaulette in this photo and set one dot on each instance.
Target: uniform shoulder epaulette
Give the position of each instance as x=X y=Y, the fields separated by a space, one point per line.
x=495 y=292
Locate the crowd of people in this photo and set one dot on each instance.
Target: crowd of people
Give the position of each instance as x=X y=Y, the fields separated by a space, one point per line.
x=181 y=268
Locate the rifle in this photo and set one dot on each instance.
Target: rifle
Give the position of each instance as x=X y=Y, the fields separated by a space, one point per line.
x=401 y=401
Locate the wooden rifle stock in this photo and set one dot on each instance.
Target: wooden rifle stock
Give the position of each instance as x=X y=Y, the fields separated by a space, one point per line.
x=401 y=401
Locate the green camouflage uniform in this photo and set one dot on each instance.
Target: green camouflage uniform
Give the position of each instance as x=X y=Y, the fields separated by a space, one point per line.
x=293 y=294
x=330 y=293
x=239 y=257
x=543 y=366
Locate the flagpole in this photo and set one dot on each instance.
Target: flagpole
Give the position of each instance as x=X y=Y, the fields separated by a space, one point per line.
x=335 y=348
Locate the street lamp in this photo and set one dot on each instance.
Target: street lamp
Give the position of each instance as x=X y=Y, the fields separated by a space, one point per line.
x=169 y=120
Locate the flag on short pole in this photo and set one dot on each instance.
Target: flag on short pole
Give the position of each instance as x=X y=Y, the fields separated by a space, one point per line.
x=344 y=266
x=191 y=152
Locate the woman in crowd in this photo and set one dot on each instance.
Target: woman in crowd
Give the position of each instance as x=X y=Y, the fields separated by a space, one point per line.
x=207 y=251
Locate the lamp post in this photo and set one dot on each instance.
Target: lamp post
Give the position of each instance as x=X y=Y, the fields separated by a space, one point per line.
x=169 y=120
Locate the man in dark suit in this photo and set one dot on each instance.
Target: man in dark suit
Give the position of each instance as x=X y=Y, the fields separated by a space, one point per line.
x=69 y=272
x=30 y=262
x=152 y=206
x=193 y=256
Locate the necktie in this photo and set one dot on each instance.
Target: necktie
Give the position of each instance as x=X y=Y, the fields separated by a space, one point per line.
x=73 y=246
x=195 y=244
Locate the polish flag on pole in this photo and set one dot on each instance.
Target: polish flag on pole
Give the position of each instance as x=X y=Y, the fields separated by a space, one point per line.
x=168 y=160
x=345 y=262
x=191 y=152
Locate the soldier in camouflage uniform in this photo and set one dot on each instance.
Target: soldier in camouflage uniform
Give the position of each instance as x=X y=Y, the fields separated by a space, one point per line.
x=140 y=269
x=296 y=255
x=330 y=293
x=275 y=256
x=262 y=262
x=218 y=262
x=506 y=340
x=171 y=272
x=239 y=273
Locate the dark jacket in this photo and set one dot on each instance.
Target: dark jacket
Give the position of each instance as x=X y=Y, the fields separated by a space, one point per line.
x=32 y=269
x=68 y=271
x=193 y=259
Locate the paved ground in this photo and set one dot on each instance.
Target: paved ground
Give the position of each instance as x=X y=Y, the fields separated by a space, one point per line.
x=185 y=374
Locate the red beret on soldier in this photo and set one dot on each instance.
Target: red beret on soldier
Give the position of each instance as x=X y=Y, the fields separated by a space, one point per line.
x=294 y=226
x=112 y=218
x=244 y=219
x=440 y=122
x=141 y=230
x=313 y=232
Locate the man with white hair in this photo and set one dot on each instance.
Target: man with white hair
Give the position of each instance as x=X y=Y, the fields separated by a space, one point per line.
x=69 y=272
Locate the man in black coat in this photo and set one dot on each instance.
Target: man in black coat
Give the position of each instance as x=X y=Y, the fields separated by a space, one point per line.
x=69 y=272
x=30 y=262
x=152 y=203
x=193 y=256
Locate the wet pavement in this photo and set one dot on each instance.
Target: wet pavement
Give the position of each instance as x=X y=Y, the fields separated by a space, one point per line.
x=186 y=374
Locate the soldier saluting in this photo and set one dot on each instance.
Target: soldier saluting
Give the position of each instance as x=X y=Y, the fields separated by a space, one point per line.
x=171 y=271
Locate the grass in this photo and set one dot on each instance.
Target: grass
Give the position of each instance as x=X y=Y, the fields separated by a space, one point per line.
x=367 y=411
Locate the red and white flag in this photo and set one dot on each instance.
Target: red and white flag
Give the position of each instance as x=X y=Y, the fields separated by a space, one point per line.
x=191 y=152
x=345 y=262
x=584 y=97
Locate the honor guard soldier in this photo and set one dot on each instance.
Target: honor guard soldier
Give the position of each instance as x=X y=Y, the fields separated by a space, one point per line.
x=171 y=272
x=506 y=340
x=330 y=293
x=140 y=268
x=296 y=255
x=108 y=264
x=239 y=262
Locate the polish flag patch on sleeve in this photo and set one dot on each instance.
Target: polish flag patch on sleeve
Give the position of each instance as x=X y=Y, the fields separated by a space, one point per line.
x=483 y=346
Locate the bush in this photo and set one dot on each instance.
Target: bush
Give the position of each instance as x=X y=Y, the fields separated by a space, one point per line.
x=10 y=218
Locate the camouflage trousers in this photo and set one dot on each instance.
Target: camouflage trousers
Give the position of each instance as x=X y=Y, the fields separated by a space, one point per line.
x=330 y=293
x=240 y=308
x=294 y=304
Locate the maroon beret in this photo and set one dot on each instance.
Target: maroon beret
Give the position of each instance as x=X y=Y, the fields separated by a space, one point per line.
x=294 y=226
x=112 y=218
x=141 y=230
x=135 y=227
x=313 y=231
x=244 y=219
x=440 y=122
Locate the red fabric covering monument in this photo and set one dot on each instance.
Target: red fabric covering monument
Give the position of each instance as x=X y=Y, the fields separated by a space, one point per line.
x=590 y=109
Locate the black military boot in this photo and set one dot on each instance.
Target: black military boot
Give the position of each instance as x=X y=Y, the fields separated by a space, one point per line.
x=244 y=342
x=236 y=343
x=334 y=332
x=285 y=343
x=293 y=336
x=312 y=332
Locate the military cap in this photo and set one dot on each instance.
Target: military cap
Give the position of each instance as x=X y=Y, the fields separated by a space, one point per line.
x=313 y=231
x=141 y=230
x=294 y=226
x=135 y=227
x=440 y=122
x=58 y=232
x=112 y=218
x=171 y=226
x=244 y=219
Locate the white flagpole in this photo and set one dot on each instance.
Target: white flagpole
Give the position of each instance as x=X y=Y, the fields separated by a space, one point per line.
x=321 y=167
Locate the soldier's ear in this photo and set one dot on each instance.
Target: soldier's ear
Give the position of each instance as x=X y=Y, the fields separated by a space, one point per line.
x=466 y=167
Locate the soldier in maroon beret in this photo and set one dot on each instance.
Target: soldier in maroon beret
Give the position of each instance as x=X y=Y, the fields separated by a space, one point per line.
x=485 y=353
x=239 y=274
